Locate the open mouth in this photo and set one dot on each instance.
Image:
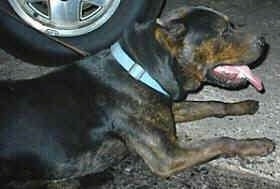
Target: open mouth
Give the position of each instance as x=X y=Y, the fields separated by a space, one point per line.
x=234 y=74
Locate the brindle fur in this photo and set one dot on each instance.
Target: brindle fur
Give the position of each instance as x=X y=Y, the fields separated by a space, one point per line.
x=85 y=117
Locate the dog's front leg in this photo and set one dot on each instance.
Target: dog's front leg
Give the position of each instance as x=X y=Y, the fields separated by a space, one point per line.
x=195 y=110
x=164 y=156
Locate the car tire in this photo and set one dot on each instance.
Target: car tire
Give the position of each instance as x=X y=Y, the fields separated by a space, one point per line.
x=34 y=47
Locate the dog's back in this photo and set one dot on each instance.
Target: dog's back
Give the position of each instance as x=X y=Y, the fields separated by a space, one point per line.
x=46 y=123
x=42 y=124
x=52 y=126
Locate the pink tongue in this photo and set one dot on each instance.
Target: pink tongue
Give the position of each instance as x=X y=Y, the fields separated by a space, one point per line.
x=245 y=72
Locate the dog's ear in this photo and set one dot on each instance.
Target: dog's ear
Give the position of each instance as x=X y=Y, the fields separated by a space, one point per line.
x=171 y=30
x=180 y=15
x=171 y=38
x=173 y=16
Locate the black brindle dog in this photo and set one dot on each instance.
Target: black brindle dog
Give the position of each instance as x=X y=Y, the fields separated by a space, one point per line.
x=85 y=117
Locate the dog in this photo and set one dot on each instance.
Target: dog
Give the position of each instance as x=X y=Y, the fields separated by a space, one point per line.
x=87 y=116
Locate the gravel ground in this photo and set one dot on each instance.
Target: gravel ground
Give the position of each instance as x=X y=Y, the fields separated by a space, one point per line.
x=261 y=17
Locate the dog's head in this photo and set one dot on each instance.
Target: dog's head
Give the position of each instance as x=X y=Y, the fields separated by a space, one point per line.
x=209 y=48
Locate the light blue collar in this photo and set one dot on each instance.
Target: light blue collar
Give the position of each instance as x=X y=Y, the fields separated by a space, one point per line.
x=134 y=69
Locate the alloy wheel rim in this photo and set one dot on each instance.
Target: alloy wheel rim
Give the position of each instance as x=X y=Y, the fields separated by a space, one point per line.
x=65 y=18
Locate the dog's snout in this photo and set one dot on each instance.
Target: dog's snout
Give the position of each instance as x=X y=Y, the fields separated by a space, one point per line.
x=261 y=42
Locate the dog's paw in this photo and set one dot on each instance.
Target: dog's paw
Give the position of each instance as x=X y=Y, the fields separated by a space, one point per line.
x=251 y=106
x=254 y=147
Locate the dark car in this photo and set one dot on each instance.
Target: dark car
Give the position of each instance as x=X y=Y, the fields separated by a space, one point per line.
x=41 y=31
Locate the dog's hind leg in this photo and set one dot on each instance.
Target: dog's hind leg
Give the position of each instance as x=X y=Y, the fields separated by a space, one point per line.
x=165 y=157
x=195 y=110
x=110 y=152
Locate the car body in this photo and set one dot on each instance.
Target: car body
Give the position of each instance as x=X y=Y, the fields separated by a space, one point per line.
x=27 y=37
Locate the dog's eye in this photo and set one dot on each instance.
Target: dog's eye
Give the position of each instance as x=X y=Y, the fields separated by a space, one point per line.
x=226 y=32
x=232 y=25
x=236 y=27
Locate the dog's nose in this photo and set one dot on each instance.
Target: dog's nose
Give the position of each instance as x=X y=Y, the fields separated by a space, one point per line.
x=261 y=42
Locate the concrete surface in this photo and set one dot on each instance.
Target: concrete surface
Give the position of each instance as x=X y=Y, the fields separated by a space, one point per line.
x=261 y=17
